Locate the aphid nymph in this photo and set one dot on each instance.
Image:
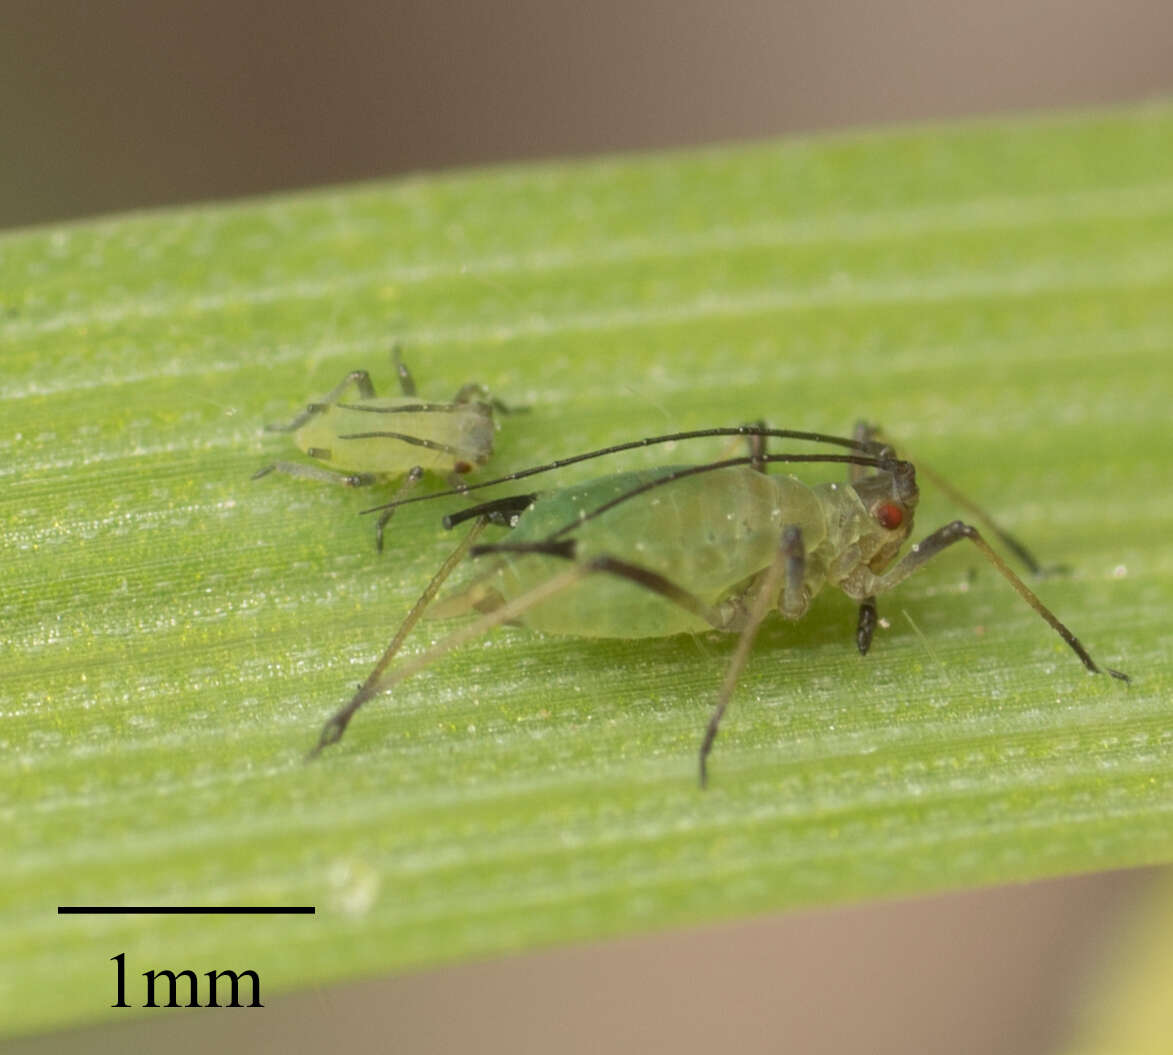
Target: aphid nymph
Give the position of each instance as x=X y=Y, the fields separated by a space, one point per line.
x=693 y=548
x=372 y=439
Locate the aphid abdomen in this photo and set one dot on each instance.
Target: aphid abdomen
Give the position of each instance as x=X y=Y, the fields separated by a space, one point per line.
x=388 y=436
x=709 y=534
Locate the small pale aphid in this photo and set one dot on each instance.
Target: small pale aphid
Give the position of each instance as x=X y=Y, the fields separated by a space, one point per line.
x=685 y=549
x=372 y=439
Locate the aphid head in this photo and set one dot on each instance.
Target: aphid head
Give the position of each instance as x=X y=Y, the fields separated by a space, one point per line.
x=890 y=496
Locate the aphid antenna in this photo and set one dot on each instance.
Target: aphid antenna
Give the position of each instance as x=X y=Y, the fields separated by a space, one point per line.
x=882 y=464
x=1019 y=549
x=873 y=448
x=1028 y=559
x=498 y=509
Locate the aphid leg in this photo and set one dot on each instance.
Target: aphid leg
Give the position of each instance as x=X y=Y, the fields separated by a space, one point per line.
x=359 y=378
x=1029 y=561
x=755 y=443
x=863 y=433
x=785 y=573
x=866 y=627
x=472 y=393
x=457 y=482
x=475 y=393
x=757 y=447
x=313 y=472
x=406 y=382
x=336 y=725
x=945 y=536
x=409 y=481
x=376 y=683
x=506 y=408
x=634 y=573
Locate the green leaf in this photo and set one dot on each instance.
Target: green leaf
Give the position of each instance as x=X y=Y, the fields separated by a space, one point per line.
x=999 y=295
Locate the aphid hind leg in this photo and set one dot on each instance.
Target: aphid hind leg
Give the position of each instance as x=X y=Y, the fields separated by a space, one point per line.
x=359 y=378
x=376 y=683
x=313 y=472
x=957 y=530
x=336 y=725
x=633 y=573
x=409 y=481
x=785 y=573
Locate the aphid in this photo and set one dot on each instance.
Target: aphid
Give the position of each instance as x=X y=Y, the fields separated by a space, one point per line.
x=685 y=549
x=374 y=439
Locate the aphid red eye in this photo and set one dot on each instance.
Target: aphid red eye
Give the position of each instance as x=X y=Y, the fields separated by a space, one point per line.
x=889 y=516
x=462 y=467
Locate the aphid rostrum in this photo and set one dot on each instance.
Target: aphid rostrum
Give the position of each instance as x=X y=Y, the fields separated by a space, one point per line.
x=692 y=548
x=373 y=439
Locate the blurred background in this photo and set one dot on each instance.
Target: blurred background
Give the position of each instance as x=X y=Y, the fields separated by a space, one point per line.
x=130 y=104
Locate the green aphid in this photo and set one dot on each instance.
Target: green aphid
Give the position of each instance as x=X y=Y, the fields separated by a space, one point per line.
x=688 y=549
x=374 y=439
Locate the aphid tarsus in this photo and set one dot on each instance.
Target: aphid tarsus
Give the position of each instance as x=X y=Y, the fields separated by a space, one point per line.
x=692 y=548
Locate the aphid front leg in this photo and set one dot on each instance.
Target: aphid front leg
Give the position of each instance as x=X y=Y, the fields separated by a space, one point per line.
x=786 y=573
x=865 y=432
x=866 y=627
x=457 y=483
x=409 y=481
x=1029 y=560
x=957 y=530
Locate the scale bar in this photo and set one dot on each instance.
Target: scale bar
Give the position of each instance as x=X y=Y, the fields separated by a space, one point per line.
x=186 y=910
